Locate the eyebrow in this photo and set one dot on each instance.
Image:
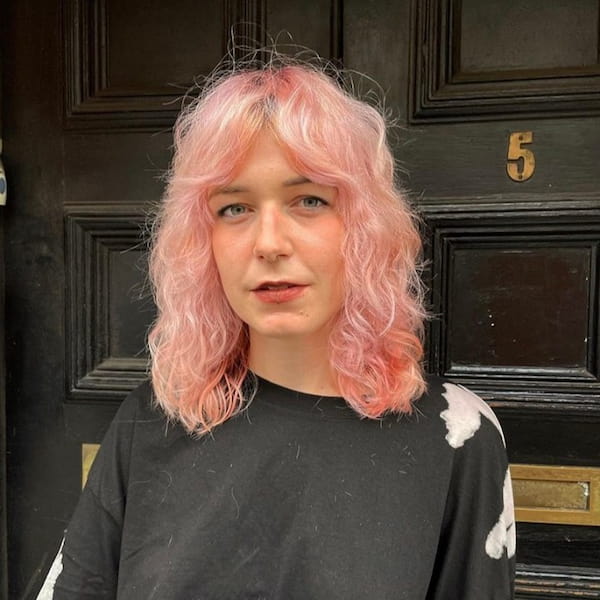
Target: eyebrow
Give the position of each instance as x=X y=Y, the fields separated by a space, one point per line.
x=237 y=189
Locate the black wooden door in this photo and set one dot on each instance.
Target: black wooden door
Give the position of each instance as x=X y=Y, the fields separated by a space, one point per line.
x=91 y=88
x=500 y=103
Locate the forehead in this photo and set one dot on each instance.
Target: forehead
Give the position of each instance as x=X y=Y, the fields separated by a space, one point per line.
x=270 y=167
x=266 y=165
x=265 y=157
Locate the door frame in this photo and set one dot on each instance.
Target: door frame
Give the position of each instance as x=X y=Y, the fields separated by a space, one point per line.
x=3 y=495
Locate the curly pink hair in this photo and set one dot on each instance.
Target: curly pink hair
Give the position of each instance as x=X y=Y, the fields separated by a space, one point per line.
x=198 y=345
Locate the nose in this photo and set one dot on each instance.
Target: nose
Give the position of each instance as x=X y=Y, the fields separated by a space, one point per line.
x=272 y=239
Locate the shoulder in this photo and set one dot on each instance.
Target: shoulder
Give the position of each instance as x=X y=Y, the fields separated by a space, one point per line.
x=138 y=401
x=139 y=408
x=473 y=434
x=480 y=468
x=136 y=418
x=141 y=418
x=464 y=413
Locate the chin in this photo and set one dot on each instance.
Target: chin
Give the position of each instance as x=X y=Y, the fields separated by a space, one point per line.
x=287 y=330
x=281 y=332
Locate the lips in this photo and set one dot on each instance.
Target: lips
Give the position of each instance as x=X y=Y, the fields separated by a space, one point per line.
x=277 y=292
x=275 y=285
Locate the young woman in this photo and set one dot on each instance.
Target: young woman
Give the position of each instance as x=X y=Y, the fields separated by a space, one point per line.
x=288 y=445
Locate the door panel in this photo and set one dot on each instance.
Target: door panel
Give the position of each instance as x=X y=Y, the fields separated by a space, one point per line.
x=513 y=265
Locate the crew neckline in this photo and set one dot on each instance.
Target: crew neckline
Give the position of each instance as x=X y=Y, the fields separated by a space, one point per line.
x=286 y=398
x=282 y=388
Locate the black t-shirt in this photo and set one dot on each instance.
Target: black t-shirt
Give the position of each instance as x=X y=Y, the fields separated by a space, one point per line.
x=296 y=498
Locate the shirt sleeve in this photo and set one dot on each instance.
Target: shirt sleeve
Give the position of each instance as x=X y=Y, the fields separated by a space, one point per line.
x=90 y=553
x=476 y=553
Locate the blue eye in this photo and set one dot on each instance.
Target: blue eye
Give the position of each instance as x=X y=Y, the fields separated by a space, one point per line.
x=313 y=202
x=232 y=210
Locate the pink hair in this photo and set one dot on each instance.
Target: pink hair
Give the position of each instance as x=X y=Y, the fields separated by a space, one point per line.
x=198 y=344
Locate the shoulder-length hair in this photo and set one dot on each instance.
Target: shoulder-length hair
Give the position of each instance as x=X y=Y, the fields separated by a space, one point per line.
x=198 y=345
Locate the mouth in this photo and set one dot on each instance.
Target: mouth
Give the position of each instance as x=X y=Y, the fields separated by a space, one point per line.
x=272 y=285
x=279 y=292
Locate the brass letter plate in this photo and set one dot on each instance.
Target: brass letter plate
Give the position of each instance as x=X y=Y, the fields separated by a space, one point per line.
x=556 y=494
x=88 y=454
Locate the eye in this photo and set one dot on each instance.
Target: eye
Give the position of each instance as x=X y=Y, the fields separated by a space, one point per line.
x=232 y=210
x=312 y=202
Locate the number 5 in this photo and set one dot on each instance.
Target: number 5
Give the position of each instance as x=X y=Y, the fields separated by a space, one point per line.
x=521 y=161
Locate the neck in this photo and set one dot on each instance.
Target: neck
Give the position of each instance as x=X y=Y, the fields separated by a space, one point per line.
x=294 y=364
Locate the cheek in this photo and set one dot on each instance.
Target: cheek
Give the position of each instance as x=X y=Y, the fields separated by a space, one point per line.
x=226 y=274
x=335 y=252
x=219 y=245
x=329 y=237
x=332 y=268
x=226 y=253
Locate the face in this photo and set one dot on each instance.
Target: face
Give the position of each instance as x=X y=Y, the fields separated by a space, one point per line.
x=277 y=244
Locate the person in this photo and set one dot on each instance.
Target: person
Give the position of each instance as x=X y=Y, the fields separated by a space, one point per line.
x=288 y=444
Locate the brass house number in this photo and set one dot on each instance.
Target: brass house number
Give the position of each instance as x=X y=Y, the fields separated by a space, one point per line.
x=521 y=161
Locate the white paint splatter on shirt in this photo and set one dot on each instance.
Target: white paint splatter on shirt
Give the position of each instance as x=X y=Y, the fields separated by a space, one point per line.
x=503 y=534
x=463 y=415
x=47 y=591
